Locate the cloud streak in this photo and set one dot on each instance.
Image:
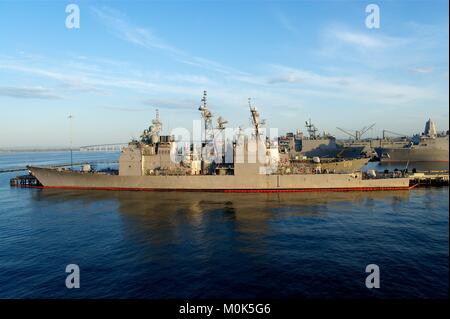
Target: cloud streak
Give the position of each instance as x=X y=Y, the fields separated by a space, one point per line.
x=357 y=86
x=362 y=40
x=146 y=38
x=28 y=93
x=423 y=70
x=143 y=37
x=171 y=103
x=359 y=39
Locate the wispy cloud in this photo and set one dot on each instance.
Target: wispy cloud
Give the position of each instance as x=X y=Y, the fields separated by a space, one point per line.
x=357 y=86
x=189 y=78
x=359 y=39
x=28 y=93
x=171 y=103
x=143 y=37
x=423 y=70
x=403 y=50
x=124 y=109
x=362 y=40
x=71 y=80
x=361 y=47
x=146 y=38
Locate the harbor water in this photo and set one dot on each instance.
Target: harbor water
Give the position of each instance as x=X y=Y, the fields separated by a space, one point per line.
x=215 y=245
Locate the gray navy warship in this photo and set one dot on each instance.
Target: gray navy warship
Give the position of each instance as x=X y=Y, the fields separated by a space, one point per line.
x=154 y=164
x=430 y=146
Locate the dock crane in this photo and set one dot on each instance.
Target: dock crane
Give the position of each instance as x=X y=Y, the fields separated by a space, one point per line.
x=358 y=133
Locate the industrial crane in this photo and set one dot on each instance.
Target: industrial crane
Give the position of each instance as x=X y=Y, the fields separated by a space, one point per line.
x=358 y=133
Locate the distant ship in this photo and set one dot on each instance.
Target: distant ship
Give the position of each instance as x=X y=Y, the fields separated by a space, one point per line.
x=148 y=165
x=298 y=146
x=430 y=146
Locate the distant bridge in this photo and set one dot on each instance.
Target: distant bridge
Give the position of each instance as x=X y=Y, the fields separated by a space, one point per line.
x=104 y=147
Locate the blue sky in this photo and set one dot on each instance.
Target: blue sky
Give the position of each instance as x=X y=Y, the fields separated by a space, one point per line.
x=296 y=60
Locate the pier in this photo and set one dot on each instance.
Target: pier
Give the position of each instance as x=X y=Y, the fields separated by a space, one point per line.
x=23 y=168
x=430 y=178
x=24 y=181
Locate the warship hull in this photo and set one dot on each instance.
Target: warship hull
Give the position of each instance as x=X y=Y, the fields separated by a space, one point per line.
x=345 y=166
x=412 y=155
x=52 y=178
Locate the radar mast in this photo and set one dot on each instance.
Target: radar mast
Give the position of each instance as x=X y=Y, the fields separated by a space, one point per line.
x=312 y=130
x=207 y=118
x=256 y=121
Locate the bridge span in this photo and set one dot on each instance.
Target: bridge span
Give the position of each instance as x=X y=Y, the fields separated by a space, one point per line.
x=117 y=147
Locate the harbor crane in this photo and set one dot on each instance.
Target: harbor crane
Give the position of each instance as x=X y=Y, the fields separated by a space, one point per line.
x=358 y=133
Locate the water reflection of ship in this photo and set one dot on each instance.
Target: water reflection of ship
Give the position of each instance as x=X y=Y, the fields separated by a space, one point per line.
x=250 y=205
x=155 y=220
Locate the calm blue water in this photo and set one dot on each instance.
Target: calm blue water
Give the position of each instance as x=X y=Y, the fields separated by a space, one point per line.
x=200 y=245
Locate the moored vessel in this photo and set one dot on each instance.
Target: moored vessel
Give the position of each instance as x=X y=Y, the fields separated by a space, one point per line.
x=430 y=146
x=250 y=163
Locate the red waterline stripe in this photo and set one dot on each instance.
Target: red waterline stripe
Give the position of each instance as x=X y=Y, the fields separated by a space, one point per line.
x=283 y=190
x=400 y=161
